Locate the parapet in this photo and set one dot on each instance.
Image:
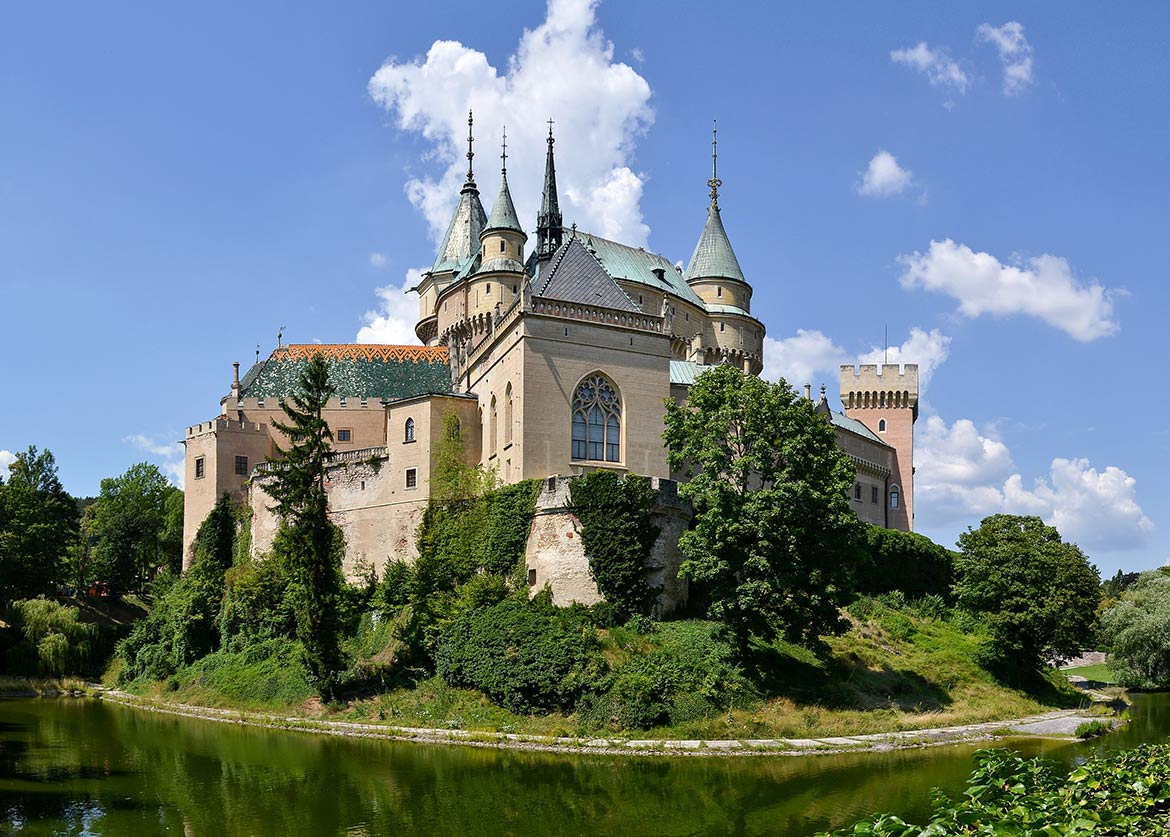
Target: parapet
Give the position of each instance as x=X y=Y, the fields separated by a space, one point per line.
x=876 y=376
x=221 y=424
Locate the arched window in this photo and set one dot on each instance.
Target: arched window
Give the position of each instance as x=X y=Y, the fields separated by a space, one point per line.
x=895 y=497
x=597 y=420
x=408 y=433
x=492 y=430
x=881 y=425
x=508 y=415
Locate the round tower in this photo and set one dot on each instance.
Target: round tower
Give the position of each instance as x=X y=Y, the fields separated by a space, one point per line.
x=501 y=269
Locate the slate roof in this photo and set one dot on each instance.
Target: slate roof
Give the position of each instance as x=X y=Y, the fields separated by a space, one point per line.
x=634 y=264
x=843 y=421
x=713 y=257
x=461 y=243
x=684 y=371
x=503 y=215
x=576 y=275
x=356 y=370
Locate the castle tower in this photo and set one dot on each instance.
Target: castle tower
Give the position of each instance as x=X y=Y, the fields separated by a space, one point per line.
x=715 y=275
x=885 y=400
x=549 y=223
x=496 y=282
x=460 y=246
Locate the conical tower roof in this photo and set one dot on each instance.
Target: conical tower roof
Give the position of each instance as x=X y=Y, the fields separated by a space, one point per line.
x=461 y=243
x=713 y=257
x=503 y=215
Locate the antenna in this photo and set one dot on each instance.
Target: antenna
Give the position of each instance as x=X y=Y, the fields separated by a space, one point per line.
x=885 y=343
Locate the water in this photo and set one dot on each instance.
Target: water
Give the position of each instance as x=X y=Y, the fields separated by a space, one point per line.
x=83 y=767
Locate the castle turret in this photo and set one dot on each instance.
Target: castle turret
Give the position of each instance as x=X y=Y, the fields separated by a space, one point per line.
x=885 y=400
x=501 y=270
x=549 y=223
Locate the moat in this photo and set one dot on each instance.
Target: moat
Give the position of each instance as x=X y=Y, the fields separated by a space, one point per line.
x=84 y=767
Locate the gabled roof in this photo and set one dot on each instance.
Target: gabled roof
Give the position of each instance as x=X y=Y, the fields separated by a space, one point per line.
x=574 y=274
x=461 y=243
x=854 y=426
x=713 y=257
x=503 y=215
x=356 y=370
x=634 y=264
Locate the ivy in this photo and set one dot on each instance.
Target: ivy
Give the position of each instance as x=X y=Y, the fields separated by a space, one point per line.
x=617 y=535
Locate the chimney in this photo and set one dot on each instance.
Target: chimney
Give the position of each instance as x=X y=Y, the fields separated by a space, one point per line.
x=236 y=381
x=808 y=392
x=659 y=274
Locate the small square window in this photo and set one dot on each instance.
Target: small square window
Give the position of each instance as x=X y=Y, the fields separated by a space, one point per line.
x=345 y=435
x=242 y=465
x=412 y=477
x=199 y=468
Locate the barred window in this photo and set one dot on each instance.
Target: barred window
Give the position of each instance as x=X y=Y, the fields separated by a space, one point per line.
x=199 y=468
x=597 y=420
x=242 y=465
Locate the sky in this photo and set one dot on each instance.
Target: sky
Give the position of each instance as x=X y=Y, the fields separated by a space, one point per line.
x=985 y=190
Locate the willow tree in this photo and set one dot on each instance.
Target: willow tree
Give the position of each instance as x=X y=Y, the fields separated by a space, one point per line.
x=307 y=540
x=775 y=540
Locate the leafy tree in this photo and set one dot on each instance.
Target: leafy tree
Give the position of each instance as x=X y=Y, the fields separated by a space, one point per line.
x=1136 y=633
x=171 y=535
x=128 y=523
x=904 y=561
x=307 y=539
x=774 y=537
x=38 y=524
x=1039 y=594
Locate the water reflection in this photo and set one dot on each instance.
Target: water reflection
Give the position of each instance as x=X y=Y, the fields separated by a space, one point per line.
x=84 y=767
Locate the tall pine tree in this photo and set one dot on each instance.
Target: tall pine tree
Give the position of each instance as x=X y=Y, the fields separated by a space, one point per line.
x=307 y=540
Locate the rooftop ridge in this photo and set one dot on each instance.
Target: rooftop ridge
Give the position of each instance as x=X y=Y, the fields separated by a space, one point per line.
x=361 y=351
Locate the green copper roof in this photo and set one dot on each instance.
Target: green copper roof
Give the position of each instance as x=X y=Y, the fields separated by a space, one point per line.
x=358 y=370
x=461 y=243
x=713 y=257
x=685 y=372
x=634 y=264
x=503 y=215
x=577 y=275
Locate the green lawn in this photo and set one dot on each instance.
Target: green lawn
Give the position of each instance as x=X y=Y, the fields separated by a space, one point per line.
x=1099 y=673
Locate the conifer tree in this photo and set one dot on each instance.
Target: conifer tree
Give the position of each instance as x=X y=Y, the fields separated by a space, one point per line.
x=307 y=540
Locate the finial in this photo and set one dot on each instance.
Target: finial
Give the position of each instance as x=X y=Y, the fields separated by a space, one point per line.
x=257 y=352
x=574 y=229
x=280 y=337
x=470 y=140
x=504 y=154
x=714 y=182
x=550 y=136
x=822 y=390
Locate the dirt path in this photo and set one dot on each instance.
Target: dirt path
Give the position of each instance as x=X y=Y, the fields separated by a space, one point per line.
x=1060 y=724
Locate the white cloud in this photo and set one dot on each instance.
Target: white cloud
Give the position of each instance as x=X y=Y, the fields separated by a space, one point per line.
x=167 y=455
x=926 y=348
x=884 y=177
x=394 y=320
x=798 y=359
x=935 y=64
x=377 y=260
x=1015 y=54
x=7 y=457
x=563 y=69
x=964 y=474
x=1043 y=287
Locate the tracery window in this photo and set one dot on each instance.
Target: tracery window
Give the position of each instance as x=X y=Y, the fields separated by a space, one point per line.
x=597 y=420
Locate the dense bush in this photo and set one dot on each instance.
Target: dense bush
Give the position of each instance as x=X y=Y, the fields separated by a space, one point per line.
x=51 y=640
x=267 y=673
x=1125 y=794
x=903 y=561
x=1136 y=633
x=617 y=536
x=521 y=655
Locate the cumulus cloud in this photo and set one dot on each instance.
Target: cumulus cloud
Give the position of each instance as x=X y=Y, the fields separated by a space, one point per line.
x=393 y=321
x=964 y=474
x=1015 y=54
x=563 y=69
x=167 y=455
x=935 y=64
x=883 y=177
x=7 y=457
x=926 y=348
x=377 y=260
x=1043 y=287
x=798 y=359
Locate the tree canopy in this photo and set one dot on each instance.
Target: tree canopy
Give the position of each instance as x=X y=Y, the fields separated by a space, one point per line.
x=128 y=526
x=774 y=538
x=38 y=524
x=1038 y=593
x=1136 y=633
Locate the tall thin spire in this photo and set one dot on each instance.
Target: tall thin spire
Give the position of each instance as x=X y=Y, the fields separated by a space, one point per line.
x=549 y=223
x=714 y=182
x=470 y=152
x=504 y=154
x=503 y=215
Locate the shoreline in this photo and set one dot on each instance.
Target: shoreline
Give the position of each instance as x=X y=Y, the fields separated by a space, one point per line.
x=1058 y=724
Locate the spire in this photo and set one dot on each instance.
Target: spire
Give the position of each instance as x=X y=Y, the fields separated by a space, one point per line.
x=713 y=257
x=503 y=215
x=469 y=184
x=461 y=243
x=549 y=223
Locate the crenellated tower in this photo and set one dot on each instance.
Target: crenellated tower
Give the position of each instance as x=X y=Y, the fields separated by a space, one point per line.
x=885 y=400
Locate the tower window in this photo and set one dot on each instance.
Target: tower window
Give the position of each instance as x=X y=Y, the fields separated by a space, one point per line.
x=503 y=246
x=597 y=421
x=719 y=291
x=856 y=491
x=242 y=465
x=200 y=468
x=639 y=299
x=412 y=477
x=489 y=289
x=345 y=435
x=408 y=431
x=895 y=497
x=722 y=326
x=881 y=425
x=873 y=494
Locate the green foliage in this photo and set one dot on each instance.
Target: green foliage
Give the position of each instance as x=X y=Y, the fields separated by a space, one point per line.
x=1136 y=633
x=520 y=655
x=53 y=641
x=617 y=536
x=904 y=561
x=1125 y=794
x=690 y=673
x=270 y=673
x=215 y=539
x=1092 y=729
x=1039 y=595
x=307 y=541
x=775 y=538
x=128 y=525
x=38 y=526
x=394 y=588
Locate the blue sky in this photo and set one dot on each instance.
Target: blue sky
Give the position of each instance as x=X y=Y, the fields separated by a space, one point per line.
x=989 y=185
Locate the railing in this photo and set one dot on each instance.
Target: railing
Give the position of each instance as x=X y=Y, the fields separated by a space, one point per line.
x=335 y=458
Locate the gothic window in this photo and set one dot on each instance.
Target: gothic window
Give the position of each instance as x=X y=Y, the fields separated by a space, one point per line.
x=597 y=420
x=408 y=433
x=492 y=430
x=508 y=415
x=881 y=425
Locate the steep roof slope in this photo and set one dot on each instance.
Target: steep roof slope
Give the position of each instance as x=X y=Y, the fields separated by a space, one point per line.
x=356 y=370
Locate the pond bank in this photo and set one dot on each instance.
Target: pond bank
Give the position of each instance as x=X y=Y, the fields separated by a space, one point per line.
x=1060 y=724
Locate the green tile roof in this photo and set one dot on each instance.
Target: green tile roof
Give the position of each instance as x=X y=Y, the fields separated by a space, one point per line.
x=356 y=370
x=713 y=257
x=503 y=215
x=461 y=243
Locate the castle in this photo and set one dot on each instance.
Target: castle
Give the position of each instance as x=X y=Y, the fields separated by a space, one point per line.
x=555 y=361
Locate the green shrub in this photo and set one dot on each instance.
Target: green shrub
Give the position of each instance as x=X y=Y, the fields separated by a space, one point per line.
x=520 y=655
x=1136 y=633
x=394 y=588
x=1092 y=729
x=52 y=640
x=903 y=561
x=267 y=673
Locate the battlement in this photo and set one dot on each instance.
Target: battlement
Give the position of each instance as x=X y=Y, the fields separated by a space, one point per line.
x=224 y=424
x=877 y=375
